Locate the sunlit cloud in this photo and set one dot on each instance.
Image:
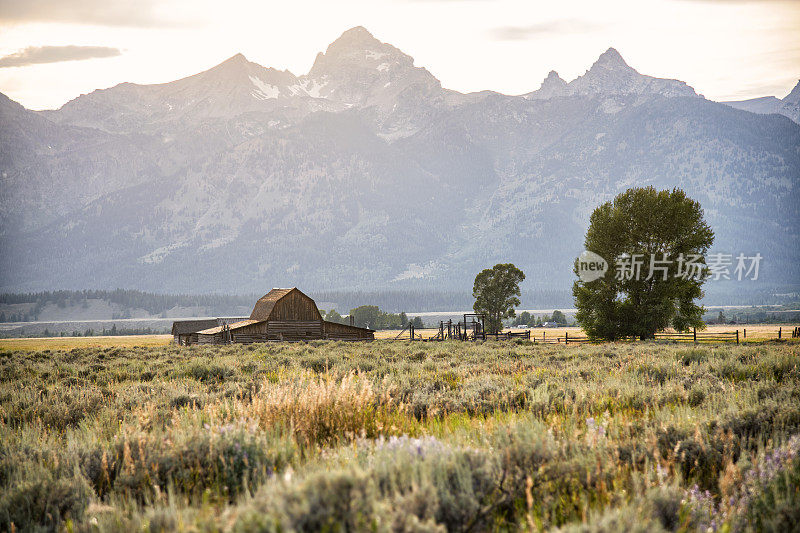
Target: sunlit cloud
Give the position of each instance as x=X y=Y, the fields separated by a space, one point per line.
x=34 y=55
x=521 y=33
x=137 y=13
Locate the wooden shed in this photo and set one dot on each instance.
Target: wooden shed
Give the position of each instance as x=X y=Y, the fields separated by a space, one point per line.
x=185 y=331
x=282 y=315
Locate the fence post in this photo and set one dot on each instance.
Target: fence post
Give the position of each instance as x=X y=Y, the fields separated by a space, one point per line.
x=737 y=336
x=745 y=333
x=566 y=337
x=779 y=332
x=694 y=332
x=544 y=336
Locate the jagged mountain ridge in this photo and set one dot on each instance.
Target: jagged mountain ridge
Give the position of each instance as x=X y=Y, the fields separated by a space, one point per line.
x=610 y=74
x=365 y=172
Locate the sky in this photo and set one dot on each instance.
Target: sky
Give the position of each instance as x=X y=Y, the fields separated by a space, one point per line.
x=54 y=50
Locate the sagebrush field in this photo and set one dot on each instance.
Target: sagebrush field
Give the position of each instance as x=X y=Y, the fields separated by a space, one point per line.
x=399 y=436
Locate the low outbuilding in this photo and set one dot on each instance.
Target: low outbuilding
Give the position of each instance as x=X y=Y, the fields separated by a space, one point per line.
x=185 y=331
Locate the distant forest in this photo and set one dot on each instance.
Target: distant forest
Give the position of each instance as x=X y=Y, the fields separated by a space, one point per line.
x=425 y=301
x=154 y=304
x=230 y=305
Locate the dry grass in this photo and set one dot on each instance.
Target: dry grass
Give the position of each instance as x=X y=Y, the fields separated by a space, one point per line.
x=68 y=343
x=320 y=410
x=757 y=332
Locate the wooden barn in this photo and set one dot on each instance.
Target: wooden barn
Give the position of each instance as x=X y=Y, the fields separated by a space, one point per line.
x=282 y=315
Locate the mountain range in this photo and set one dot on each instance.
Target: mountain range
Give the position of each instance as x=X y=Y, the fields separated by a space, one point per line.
x=366 y=173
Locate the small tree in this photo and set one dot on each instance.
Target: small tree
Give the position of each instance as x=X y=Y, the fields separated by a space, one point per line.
x=496 y=292
x=365 y=316
x=334 y=316
x=651 y=225
x=559 y=318
x=417 y=323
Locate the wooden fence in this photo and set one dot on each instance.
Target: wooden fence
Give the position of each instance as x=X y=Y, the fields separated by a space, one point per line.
x=694 y=336
x=781 y=333
x=450 y=330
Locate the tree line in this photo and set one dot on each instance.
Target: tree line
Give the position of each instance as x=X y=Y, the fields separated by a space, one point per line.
x=371 y=316
x=527 y=319
x=89 y=332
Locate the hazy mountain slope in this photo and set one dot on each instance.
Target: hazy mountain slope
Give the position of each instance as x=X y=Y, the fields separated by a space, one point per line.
x=48 y=170
x=743 y=169
x=366 y=173
x=788 y=106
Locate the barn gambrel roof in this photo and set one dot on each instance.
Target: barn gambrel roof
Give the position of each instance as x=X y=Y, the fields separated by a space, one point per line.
x=265 y=305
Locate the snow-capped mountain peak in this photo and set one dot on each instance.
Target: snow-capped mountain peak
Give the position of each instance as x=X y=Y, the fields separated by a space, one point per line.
x=611 y=60
x=236 y=59
x=358 y=49
x=611 y=75
x=359 y=70
x=358 y=38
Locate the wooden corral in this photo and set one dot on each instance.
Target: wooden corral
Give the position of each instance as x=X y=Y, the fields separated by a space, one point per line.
x=282 y=315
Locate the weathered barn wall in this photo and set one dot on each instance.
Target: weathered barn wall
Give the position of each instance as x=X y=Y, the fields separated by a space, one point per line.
x=333 y=330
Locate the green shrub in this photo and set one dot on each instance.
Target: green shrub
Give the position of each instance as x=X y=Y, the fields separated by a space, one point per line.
x=692 y=355
x=43 y=503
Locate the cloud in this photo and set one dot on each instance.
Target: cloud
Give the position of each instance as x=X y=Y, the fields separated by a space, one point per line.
x=520 y=33
x=100 y=12
x=33 y=55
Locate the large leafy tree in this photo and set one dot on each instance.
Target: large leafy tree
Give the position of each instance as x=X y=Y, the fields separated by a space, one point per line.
x=496 y=292
x=645 y=224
